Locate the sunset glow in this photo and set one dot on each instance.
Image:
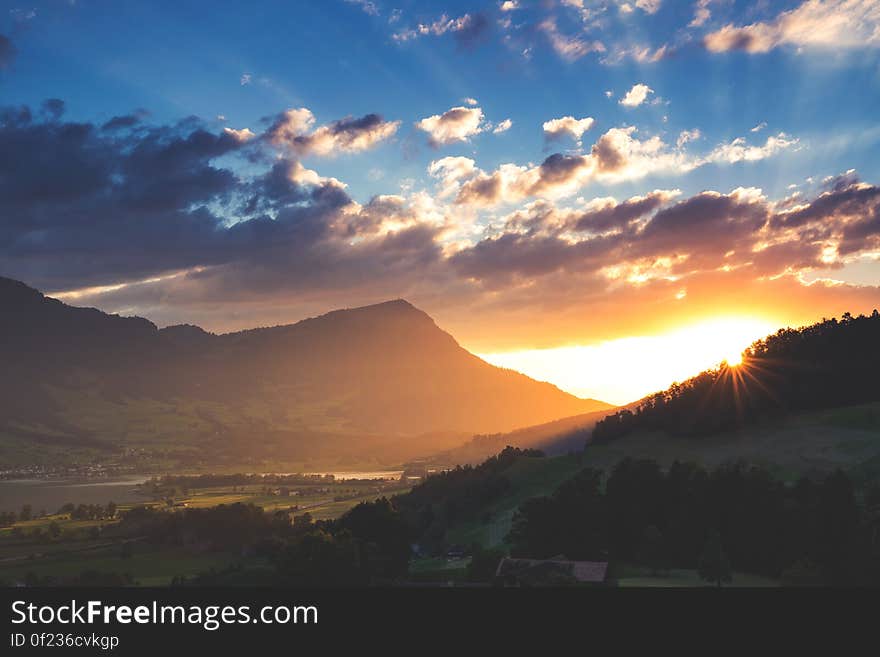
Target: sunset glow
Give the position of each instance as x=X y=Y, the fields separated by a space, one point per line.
x=624 y=370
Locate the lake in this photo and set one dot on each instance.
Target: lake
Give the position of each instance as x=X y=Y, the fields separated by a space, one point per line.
x=51 y=494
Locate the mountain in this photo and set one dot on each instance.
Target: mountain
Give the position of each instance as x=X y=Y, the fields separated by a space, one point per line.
x=802 y=401
x=352 y=383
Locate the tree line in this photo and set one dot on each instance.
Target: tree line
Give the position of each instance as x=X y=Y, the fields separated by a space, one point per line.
x=811 y=532
x=369 y=544
x=828 y=364
x=448 y=498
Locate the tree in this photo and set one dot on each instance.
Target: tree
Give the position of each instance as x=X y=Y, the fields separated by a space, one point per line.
x=714 y=565
x=26 y=513
x=653 y=550
x=483 y=564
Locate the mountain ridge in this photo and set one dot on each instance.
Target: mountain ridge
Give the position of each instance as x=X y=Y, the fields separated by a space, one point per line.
x=383 y=370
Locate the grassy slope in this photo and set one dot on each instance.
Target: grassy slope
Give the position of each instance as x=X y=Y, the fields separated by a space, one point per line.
x=529 y=477
x=846 y=438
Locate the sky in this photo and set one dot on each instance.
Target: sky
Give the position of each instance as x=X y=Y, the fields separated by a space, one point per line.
x=609 y=195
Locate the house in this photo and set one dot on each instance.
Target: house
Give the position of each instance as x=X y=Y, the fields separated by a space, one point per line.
x=456 y=552
x=557 y=571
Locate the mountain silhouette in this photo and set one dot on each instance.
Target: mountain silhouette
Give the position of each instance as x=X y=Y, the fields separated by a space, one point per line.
x=384 y=370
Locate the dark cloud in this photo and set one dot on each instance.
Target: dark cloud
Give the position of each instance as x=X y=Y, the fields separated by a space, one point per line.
x=842 y=201
x=294 y=130
x=708 y=223
x=84 y=205
x=740 y=231
x=502 y=259
x=608 y=153
x=485 y=189
x=121 y=122
x=619 y=215
x=560 y=168
x=94 y=205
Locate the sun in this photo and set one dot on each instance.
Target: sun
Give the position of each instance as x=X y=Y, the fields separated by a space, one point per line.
x=733 y=358
x=625 y=369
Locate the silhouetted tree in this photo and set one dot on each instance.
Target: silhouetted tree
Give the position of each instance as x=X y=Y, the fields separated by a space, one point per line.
x=714 y=565
x=829 y=364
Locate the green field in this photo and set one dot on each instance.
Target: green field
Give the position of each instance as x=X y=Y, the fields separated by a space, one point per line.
x=83 y=545
x=804 y=443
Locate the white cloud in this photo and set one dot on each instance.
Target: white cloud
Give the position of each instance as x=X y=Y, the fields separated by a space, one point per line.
x=831 y=24
x=454 y=125
x=509 y=5
x=687 y=135
x=739 y=151
x=759 y=127
x=636 y=96
x=702 y=13
x=239 y=135
x=649 y=6
x=503 y=126
x=567 y=125
x=617 y=156
x=439 y=27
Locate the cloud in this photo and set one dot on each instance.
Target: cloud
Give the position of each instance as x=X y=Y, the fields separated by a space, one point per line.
x=602 y=215
x=135 y=202
x=502 y=126
x=636 y=96
x=638 y=53
x=294 y=130
x=702 y=13
x=759 y=127
x=7 y=51
x=567 y=125
x=570 y=48
x=824 y=24
x=454 y=125
x=650 y=238
x=739 y=151
x=189 y=222
x=240 y=135
x=245 y=79
x=686 y=136
x=649 y=6
x=618 y=155
x=509 y=5
x=468 y=29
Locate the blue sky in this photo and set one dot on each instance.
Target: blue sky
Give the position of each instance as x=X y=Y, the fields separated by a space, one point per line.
x=708 y=158
x=187 y=58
